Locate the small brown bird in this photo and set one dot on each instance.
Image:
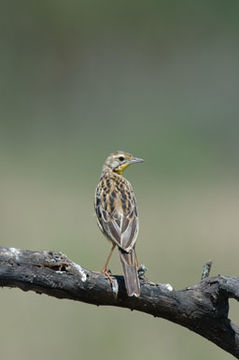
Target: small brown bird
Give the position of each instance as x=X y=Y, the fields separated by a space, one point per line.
x=115 y=207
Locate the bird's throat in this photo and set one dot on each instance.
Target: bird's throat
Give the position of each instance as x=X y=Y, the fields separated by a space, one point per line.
x=121 y=168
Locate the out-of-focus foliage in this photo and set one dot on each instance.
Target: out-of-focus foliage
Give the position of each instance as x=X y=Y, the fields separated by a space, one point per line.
x=80 y=79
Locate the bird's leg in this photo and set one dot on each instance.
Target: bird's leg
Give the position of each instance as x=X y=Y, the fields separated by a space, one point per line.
x=104 y=271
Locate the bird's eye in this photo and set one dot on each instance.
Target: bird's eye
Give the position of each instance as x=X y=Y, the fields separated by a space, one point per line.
x=121 y=158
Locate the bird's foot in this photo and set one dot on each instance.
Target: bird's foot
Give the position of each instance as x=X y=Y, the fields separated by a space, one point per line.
x=107 y=273
x=113 y=282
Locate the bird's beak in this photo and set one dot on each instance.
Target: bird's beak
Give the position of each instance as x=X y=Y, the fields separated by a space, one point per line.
x=136 y=160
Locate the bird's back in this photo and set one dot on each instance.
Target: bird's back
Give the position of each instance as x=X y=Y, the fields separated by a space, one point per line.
x=115 y=206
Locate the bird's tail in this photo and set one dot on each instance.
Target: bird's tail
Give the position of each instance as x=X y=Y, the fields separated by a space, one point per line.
x=131 y=279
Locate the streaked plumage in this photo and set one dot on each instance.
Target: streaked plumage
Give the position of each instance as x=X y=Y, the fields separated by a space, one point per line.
x=116 y=211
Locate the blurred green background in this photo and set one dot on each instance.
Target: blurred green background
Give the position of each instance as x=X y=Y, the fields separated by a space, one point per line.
x=80 y=79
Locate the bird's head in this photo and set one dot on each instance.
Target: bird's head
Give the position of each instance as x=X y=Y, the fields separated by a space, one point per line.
x=118 y=161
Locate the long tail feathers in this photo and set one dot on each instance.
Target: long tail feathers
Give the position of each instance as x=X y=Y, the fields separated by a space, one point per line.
x=131 y=279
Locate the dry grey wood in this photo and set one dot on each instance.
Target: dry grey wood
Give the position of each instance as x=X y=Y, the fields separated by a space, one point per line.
x=202 y=308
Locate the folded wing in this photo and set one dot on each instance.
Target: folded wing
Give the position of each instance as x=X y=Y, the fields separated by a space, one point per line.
x=119 y=223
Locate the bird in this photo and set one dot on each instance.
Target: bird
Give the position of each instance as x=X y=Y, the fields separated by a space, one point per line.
x=117 y=217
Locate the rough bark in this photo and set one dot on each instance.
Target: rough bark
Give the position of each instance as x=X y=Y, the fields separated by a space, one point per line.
x=202 y=308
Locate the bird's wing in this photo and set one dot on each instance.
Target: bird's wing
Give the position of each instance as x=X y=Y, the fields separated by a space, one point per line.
x=117 y=220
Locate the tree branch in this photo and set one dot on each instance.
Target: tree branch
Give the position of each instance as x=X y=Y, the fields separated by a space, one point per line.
x=202 y=308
